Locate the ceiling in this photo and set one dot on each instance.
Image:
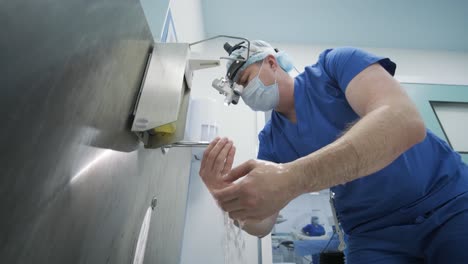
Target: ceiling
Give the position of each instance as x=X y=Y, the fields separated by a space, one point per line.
x=407 y=24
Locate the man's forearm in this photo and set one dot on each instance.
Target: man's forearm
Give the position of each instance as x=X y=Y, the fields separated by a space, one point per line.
x=370 y=145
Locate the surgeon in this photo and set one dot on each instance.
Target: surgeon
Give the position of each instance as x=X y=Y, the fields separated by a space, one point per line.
x=344 y=123
x=314 y=228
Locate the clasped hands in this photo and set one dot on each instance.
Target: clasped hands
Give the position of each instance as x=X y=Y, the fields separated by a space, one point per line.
x=252 y=191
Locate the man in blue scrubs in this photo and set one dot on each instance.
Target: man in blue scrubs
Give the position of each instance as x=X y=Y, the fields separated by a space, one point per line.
x=401 y=193
x=314 y=228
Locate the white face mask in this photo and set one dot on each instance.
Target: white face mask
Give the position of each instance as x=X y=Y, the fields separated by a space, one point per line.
x=260 y=97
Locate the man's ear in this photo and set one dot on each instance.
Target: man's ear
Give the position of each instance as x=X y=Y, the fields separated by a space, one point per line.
x=271 y=60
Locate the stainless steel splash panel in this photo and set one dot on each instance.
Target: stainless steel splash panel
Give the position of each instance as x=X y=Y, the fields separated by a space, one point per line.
x=75 y=182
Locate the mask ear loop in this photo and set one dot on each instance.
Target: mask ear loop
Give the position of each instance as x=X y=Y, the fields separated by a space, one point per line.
x=276 y=76
x=258 y=75
x=276 y=71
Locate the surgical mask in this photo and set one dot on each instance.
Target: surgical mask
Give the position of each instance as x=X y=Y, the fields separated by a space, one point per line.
x=260 y=97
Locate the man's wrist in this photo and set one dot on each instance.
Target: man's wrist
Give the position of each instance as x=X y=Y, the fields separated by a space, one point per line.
x=294 y=175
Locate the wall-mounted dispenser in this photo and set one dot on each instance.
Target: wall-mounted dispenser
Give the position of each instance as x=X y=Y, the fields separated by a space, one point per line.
x=160 y=113
x=161 y=110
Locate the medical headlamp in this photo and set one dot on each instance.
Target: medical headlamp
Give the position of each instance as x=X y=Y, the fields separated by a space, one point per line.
x=226 y=85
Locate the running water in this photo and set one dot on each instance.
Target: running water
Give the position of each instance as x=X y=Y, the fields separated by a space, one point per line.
x=234 y=242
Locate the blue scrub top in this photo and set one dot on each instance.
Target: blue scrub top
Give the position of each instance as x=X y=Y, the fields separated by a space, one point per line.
x=425 y=176
x=313 y=230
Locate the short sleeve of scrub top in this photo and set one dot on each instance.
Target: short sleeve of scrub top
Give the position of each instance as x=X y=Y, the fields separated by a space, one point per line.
x=343 y=64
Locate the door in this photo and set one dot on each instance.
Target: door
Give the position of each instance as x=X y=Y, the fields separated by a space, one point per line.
x=444 y=109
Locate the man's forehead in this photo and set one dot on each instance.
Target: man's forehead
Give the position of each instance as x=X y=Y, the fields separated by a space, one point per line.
x=241 y=74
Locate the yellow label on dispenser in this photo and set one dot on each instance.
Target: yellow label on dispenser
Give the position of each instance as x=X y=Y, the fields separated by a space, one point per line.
x=167 y=128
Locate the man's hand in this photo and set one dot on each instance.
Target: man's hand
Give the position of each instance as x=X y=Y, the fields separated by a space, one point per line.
x=215 y=172
x=217 y=161
x=264 y=189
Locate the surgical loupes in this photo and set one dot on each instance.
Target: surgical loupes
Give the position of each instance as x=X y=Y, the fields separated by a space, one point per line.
x=230 y=90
